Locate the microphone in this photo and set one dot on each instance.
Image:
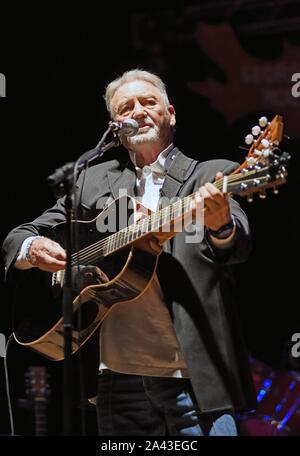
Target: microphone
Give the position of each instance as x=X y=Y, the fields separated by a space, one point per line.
x=129 y=127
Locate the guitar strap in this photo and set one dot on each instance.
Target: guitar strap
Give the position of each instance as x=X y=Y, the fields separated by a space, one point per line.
x=179 y=168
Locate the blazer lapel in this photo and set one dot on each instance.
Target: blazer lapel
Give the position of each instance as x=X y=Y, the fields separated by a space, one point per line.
x=121 y=182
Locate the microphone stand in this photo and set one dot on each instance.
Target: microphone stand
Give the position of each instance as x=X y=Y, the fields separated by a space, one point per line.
x=66 y=176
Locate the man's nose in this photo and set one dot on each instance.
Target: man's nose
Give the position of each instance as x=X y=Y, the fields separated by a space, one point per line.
x=138 y=111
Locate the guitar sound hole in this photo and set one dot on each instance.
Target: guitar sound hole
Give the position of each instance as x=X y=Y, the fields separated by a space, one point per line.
x=85 y=316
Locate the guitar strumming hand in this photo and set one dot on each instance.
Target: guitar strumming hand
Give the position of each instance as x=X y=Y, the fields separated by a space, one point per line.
x=47 y=255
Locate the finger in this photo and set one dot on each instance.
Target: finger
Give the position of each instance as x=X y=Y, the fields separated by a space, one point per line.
x=196 y=201
x=56 y=250
x=47 y=245
x=198 y=198
x=219 y=175
x=47 y=262
x=212 y=189
x=52 y=251
x=51 y=268
x=204 y=193
x=59 y=254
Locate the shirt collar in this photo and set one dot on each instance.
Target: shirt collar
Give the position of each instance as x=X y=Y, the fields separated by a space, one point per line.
x=157 y=166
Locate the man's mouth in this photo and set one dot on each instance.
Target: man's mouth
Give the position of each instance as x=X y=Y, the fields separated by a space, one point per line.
x=144 y=128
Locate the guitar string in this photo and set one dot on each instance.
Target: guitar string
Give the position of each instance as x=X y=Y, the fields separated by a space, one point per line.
x=138 y=227
x=141 y=228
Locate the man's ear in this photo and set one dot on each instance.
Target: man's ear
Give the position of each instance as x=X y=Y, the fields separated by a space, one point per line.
x=171 y=110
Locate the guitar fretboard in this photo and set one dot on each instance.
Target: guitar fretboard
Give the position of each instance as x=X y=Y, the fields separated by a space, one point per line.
x=159 y=220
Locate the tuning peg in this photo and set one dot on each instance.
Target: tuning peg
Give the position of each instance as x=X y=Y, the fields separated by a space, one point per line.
x=265 y=142
x=256 y=130
x=275 y=190
x=263 y=121
x=285 y=156
x=267 y=153
x=262 y=195
x=250 y=198
x=249 y=139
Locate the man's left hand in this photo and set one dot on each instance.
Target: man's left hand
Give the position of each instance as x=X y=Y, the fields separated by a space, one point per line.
x=216 y=205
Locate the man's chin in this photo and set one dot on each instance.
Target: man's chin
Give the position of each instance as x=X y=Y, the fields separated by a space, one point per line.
x=149 y=136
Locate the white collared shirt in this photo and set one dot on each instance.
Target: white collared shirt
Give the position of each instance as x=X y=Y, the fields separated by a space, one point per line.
x=138 y=337
x=150 y=179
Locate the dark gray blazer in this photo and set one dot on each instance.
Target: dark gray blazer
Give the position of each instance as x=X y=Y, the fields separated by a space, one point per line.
x=195 y=278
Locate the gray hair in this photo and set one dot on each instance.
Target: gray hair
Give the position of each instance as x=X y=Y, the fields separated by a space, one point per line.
x=130 y=76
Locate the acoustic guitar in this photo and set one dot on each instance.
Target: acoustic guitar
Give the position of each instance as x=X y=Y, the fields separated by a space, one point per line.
x=113 y=267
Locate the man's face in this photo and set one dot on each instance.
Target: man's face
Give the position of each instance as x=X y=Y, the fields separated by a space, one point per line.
x=143 y=102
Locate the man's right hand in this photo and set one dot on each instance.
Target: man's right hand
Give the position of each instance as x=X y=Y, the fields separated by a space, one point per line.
x=47 y=255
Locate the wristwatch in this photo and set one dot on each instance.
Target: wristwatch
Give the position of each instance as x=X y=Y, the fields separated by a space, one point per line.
x=224 y=231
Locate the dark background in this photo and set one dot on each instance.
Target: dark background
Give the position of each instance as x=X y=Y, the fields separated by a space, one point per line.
x=57 y=65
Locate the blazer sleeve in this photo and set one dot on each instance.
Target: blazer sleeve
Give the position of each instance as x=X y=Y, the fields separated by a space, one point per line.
x=95 y=185
x=40 y=226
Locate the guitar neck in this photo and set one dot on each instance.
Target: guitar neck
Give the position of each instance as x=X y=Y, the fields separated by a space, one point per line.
x=162 y=220
x=165 y=219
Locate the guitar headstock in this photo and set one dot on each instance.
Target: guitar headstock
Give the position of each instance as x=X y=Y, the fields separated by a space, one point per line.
x=265 y=164
x=37 y=387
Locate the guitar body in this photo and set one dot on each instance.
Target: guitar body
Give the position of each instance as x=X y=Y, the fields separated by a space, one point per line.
x=99 y=281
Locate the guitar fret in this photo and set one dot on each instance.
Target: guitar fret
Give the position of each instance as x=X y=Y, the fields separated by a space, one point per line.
x=135 y=232
x=123 y=237
x=117 y=240
x=109 y=244
x=159 y=219
x=164 y=215
x=113 y=242
x=145 y=225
